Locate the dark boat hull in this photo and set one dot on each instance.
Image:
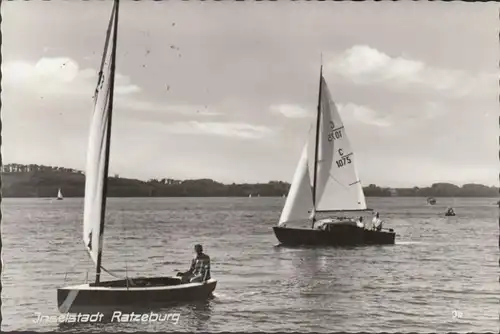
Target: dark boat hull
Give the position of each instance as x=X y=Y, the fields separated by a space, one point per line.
x=342 y=235
x=119 y=295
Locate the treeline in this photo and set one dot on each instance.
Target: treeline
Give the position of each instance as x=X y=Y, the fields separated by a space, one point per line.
x=436 y=190
x=43 y=181
x=18 y=168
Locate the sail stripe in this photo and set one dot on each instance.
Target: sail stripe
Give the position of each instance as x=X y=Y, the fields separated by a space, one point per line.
x=69 y=300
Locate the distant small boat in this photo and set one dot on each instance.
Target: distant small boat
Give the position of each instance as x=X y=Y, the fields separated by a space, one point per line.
x=431 y=200
x=450 y=212
x=59 y=195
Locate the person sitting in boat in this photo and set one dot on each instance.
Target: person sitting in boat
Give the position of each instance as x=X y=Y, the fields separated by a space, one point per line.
x=377 y=222
x=319 y=225
x=200 y=267
x=360 y=223
x=450 y=212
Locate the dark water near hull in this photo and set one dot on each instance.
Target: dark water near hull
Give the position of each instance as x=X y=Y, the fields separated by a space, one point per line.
x=439 y=265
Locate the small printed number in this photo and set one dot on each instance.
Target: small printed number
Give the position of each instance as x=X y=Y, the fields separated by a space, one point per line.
x=343 y=161
x=334 y=135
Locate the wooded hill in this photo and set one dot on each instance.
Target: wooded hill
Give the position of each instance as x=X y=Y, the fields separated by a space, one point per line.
x=43 y=181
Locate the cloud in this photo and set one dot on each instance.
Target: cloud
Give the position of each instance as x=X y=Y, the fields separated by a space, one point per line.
x=364 y=65
x=144 y=106
x=58 y=75
x=290 y=110
x=357 y=113
x=124 y=86
x=363 y=114
x=433 y=110
x=238 y=130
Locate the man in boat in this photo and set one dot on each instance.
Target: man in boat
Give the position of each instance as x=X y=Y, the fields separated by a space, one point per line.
x=200 y=267
x=450 y=212
x=360 y=223
x=377 y=222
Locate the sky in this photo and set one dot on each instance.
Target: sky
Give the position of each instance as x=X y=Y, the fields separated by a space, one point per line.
x=228 y=90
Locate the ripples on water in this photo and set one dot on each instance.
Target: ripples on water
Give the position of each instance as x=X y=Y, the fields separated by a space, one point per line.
x=438 y=265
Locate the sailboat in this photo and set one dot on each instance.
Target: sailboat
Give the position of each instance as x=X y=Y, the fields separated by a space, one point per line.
x=335 y=187
x=59 y=195
x=123 y=292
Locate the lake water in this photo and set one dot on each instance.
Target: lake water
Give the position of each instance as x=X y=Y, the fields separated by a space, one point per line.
x=442 y=274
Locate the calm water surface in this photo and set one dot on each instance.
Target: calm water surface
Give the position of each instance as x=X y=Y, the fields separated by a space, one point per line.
x=439 y=265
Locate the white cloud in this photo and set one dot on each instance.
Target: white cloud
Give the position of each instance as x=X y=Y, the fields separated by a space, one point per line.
x=433 y=110
x=290 y=110
x=238 y=130
x=362 y=114
x=58 y=75
x=158 y=107
x=365 y=65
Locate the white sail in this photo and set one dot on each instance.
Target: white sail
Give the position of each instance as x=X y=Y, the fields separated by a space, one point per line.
x=59 y=193
x=338 y=186
x=299 y=200
x=96 y=151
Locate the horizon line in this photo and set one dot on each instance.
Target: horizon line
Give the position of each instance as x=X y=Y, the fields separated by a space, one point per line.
x=112 y=175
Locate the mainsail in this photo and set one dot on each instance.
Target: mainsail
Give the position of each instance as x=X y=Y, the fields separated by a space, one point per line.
x=337 y=187
x=98 y=149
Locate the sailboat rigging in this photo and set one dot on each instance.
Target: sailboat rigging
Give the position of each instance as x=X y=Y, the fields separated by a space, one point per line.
x=316 y=146
x=130 y=292
x=335 y=186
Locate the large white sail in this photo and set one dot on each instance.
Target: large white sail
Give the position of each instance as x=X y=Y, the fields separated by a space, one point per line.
x=338 y=186
x=96 y=152
x=59 y=193
x=299 y=200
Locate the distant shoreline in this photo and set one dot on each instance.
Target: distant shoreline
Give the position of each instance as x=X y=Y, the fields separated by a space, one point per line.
x=35 y=181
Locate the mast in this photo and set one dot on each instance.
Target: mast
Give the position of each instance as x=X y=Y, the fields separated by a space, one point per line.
x=108 y=141
x=316 y=143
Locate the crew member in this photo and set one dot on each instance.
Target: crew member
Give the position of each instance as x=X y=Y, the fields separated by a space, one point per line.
x=200 y=267
x=360 y=223
x=377 y=222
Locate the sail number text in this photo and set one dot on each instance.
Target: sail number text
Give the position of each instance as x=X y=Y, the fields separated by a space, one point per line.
x=344 y=160
x=334 y=133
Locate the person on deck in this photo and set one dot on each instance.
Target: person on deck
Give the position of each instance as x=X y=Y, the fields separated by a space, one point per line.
x=377 y=222
x=200 y=267
x=450 y=211
x=360 y=223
